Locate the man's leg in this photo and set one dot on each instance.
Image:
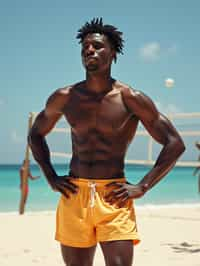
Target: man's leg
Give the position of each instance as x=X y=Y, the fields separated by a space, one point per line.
x=118 y=252
x=78 y=256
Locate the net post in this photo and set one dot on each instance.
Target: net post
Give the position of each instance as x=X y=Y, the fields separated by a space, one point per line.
x=24 y=170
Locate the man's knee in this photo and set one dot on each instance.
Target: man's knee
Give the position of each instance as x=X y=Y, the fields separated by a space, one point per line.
x=77 y=256
x=118 y=261
x=78 y=263
x=73 y=264
x=77 y=260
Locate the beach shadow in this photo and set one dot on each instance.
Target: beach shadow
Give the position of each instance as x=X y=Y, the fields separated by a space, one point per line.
x=185 y=247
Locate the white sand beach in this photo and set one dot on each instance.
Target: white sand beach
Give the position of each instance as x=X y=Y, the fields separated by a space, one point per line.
x=170 y=237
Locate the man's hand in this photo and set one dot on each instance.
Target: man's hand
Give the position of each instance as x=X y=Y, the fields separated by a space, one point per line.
x=63 y=185
x=122 y=192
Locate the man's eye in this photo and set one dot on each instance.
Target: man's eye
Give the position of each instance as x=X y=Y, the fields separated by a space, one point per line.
x=85 y=47
x=97 y=46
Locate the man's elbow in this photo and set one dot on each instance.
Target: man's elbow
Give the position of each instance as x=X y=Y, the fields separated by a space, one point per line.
x=179 y=146
x=32 y=137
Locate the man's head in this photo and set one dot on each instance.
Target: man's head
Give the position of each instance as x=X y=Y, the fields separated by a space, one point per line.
x=98 y=41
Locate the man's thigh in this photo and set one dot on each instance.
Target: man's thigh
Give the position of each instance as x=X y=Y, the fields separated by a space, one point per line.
x=78 y=256
x=118 y=252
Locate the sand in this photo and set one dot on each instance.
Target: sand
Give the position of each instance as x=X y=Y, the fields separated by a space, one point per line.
x=170 y=237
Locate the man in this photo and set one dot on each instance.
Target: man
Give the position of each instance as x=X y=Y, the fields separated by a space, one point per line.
x=25 y=174
x=96 y=202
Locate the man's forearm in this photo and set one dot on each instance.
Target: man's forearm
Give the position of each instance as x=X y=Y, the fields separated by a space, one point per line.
x=165 y=162
x=41 y=154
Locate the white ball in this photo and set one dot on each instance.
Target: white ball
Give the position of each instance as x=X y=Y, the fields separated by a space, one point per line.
x=169 y=83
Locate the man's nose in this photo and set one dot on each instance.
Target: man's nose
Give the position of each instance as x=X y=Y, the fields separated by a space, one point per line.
x=90 y=50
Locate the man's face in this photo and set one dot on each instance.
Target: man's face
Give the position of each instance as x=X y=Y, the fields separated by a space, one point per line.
x=97 y=53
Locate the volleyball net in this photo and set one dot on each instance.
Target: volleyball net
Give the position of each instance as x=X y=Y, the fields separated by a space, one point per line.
x=143 y=150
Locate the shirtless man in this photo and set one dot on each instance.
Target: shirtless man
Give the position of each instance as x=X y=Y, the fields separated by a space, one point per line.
x=103 y=113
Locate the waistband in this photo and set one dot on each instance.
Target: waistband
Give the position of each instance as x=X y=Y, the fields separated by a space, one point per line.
x=98 y=182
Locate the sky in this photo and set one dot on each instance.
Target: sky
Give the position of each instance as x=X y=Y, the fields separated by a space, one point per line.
x=39 y=53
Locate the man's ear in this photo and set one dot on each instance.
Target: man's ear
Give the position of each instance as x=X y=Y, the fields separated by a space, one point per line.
x=114 y=56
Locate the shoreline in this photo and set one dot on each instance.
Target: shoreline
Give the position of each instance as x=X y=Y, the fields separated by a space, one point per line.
x=145 y=207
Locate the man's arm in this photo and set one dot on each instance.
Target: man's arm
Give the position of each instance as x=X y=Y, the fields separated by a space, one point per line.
x=43 y=124
x=161 y=129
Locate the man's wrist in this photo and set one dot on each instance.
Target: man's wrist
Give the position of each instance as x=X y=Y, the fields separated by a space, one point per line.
x=48 y=171
x=144 y=187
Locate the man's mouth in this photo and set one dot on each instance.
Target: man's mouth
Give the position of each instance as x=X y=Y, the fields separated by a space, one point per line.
x=90 y=58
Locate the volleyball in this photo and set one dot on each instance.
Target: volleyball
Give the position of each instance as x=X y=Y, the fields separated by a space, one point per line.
x=169 y=83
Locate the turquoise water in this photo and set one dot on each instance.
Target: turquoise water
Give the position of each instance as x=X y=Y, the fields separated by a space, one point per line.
x=177 y=188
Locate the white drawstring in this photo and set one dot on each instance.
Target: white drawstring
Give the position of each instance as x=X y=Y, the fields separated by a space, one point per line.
x=92 y=186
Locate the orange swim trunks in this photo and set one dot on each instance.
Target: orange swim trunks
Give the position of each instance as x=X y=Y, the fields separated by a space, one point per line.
x=86 y=218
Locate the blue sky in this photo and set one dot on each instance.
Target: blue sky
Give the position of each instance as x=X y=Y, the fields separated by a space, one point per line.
x=39 y=53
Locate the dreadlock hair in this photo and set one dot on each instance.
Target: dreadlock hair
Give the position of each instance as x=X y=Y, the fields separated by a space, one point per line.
x=96 y=26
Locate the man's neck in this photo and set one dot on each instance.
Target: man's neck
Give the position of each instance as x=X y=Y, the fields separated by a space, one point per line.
x=99 y=83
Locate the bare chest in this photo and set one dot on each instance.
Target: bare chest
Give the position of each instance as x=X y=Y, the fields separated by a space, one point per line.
x=104 y=115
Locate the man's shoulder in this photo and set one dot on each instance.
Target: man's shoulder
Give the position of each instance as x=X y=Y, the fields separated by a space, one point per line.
x=133 y=98
x=63 y=92
x=66 y=90
x=60 y=97
x=127 y=90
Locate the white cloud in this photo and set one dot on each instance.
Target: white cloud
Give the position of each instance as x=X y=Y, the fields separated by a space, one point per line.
x=167 y=109
x=16 y=138
x=150 y=51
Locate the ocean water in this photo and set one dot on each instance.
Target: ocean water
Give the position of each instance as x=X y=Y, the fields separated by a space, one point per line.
x=177 y=188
